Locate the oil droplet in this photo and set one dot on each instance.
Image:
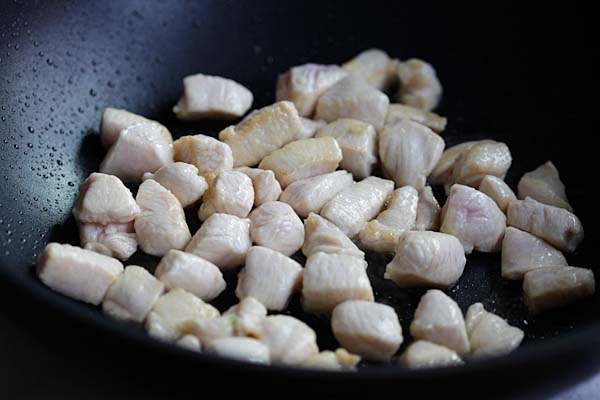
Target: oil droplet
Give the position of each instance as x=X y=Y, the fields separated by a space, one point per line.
x=31 y=130
x=93 y=93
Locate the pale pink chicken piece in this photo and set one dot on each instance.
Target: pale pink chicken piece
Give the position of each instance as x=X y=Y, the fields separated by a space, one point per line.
x=309 y=128
x=206 y=153
x=374 y=66
x=498 y=190
x=480 y=160
x=419 y=84
x=442 y=173
x=489 y=334
x=424 y=354
x=544 y=185
x=397 y=112
x=428 y=211
x=321 y=235
x=290 y=341
x=266 y=186
x=114 y=120
x=113 y=240
x=275 y=225
x=182 y=180
x=231 y=192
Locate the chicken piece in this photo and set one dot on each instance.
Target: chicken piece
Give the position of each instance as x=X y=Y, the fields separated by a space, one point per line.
x=262 y=132
x=358 y=141
x=398 y=112
x=140 y=148
x=428 y=211
x=189 y=342
x=544 y=185
x=290 y=341
x=474 y=218
x=331 y=279
x=352 y=97
x=206 y=96
x=222 y=239
x=132 y=295
x=419 y=84
x=356 y=205
x=206 y=153
x=114 y=120
x=442 y=173
x=182 y=180
x=369 y=329
x=523 y=252
x=321 y=235
x=558 y=226
x=113 y=240
x=275 y=225
x=249 y=317
x=304 y=84
x=382 y=233
x=490 y=335
x=409 y=151
x=174 y=309
x=483 y=158
x=208 y=330
x=438 y=319
x=309 y=128
x=161 y=225
x=230 y=193
x=240 y=348
x=425 y=258
x=553 y=287
x=310 y=195
x=303 y=159
x=498 y=191
x=266 y=187
x=424 y=354
x=373 y=66
x=77 y=273
x=270 y=277
x=191 y=273
x=340 y=360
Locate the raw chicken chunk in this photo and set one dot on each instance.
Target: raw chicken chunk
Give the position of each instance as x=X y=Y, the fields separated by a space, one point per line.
x=208 y=154
x=113 y=240
x=442 y=173
x=77 y=273
x=419 y=84
x=304 y=84
x=354 y=206
x=161 y=225
x=270 y=277
x=208 y=330
x=425 y=258
x=206 y=96
x=222 y=239
x=191 y=273
x=544 y=185
x=352 y=97
x=310 y=195
x=369 y=329
x=189 y=342
x=321 y=235
x=428 y=211
x=409 y=151
x=114 y=120
x=373 y=66
x=397 y=112
x=358 y=141
x=438 y=319
x=552 y=287
x=290 y=341
x=498 y=191
x=182 y=180
x=556 y=225
x=240 y=348
x=483 y=158
x=140 y=148
x=382 y=233
x=523 y=252
x=275 y=225
x=303 y=159
x=474 y=218
x=340 y=360
x=331 y=279
x=262 y=132
x=172 y=310
x=424 y=354
x=249 y=317
x=490 y=335
x=309 y=128
x=266 y=187
x=230 y=193
x=132 y=295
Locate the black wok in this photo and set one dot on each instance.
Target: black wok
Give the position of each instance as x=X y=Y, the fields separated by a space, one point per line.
x=507 y=74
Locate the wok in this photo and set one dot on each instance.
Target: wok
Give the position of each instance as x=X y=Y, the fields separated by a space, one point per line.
x=506 y=73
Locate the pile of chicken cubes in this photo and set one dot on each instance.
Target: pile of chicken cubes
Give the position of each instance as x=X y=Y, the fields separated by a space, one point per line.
x=297 y=176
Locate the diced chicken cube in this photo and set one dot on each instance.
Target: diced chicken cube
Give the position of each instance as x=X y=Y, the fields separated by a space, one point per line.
x=132 y=295
x=438 y=319
x=474 y=218
x=482 y=159
x=425 y=258
x=266 y=186
x=321 y=235
x=194 y=274
x=206 y=153
x=373 y=66
x=189 y=342
x=553 y=287
x=442 y=173
x=222 y=239
x=77 y=273
x=275 y=225
x=544 y=185
x=340 y=360
x=114 y=120
x=409 y=151
x=113 y=240
x=369 y=329
x=397 y=112
x=498 y=191
x=290 y=341
x=331 y=279
x=428 y=211
x=419 y=84
x=523 y=252
x=424 y=354
x=208 y=330
x=161 y=226
x=230 y=193
x=309 y=128
x=182 y=180
x=490 y=335
x=240 y=348
x=270 y=277
x=250 y=315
